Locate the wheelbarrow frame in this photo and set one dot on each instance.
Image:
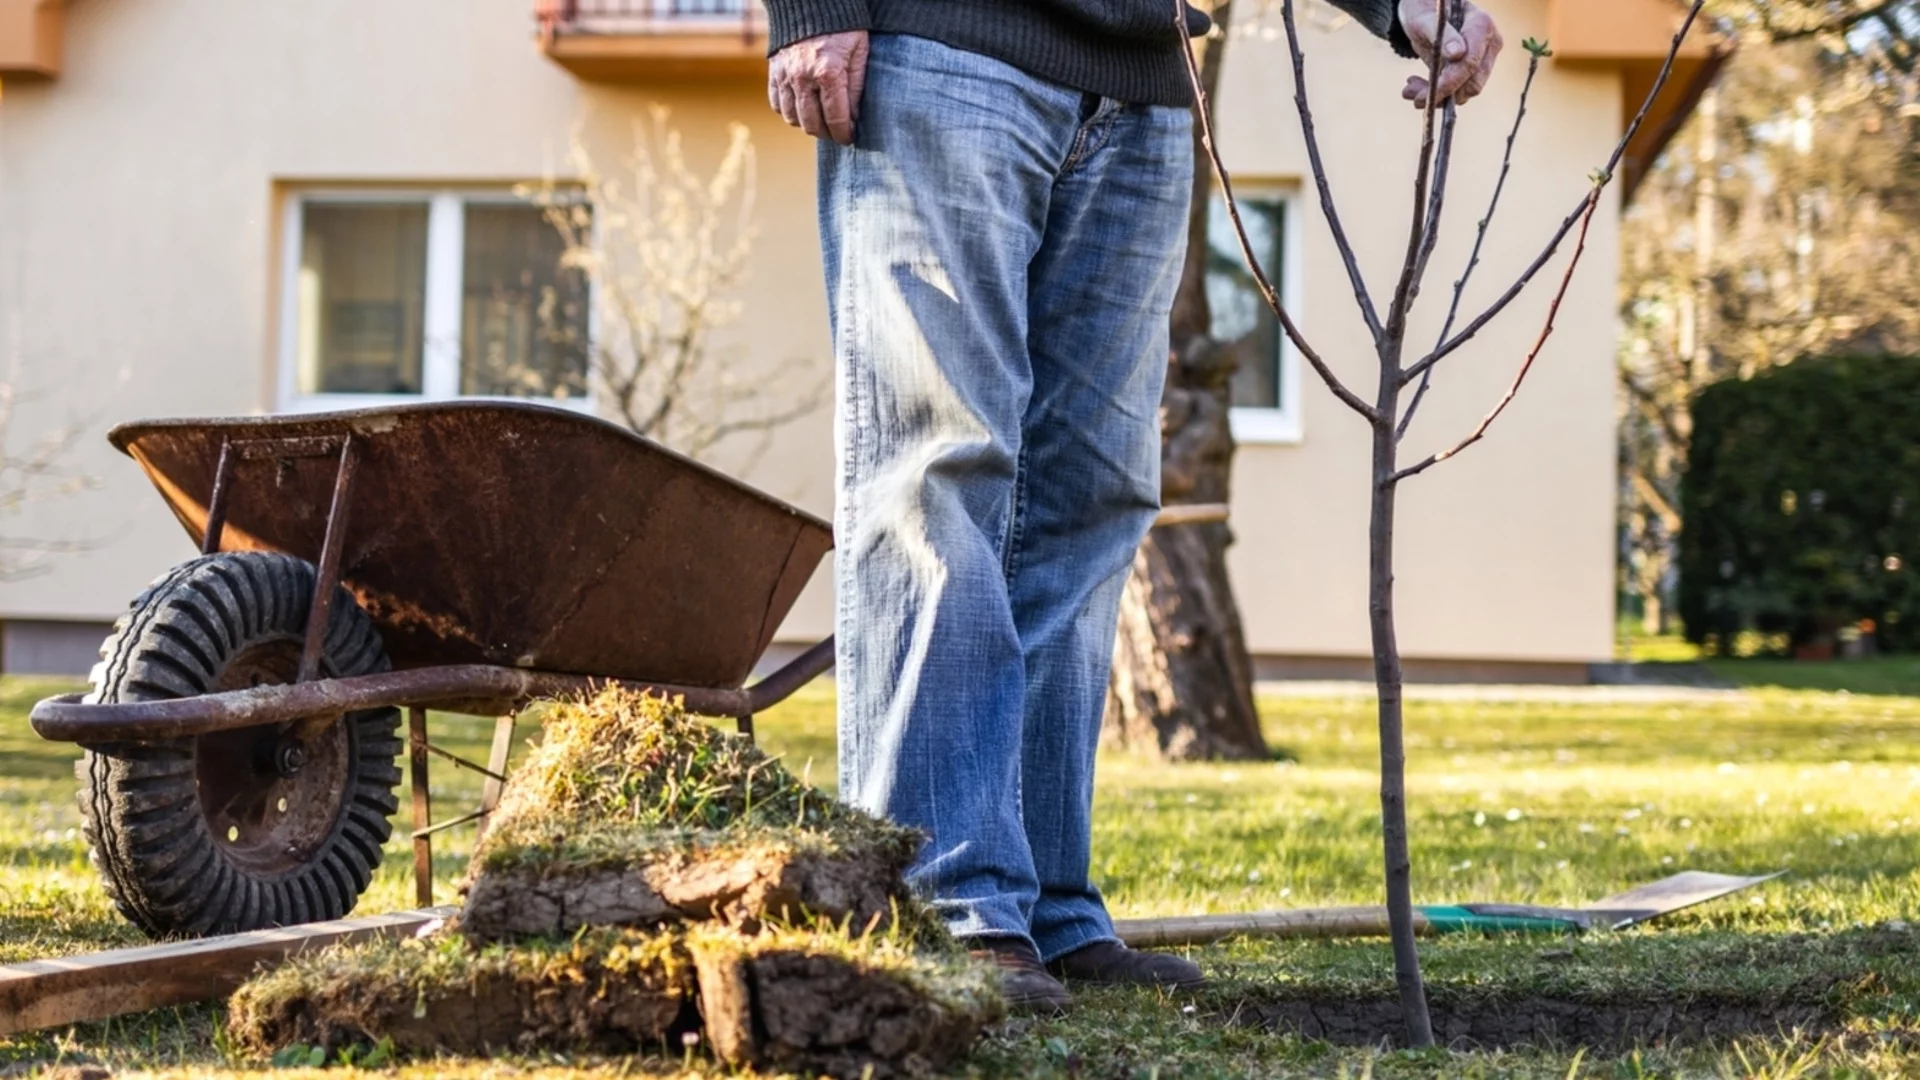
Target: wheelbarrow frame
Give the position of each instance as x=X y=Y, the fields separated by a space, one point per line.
x=478 y=689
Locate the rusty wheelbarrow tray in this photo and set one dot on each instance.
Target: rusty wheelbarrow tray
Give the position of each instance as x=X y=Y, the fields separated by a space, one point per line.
x=471 y=556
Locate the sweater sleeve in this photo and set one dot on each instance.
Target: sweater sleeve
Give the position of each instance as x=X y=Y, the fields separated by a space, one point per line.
x=1383 y=18
x=789 y=21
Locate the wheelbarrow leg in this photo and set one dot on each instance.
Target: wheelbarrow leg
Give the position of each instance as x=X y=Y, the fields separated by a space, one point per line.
x=744 y=725
x=326 y=578
x=496 y=768
x=422 y=806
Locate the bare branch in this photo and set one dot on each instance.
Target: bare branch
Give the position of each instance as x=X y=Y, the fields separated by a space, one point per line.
x=1424 y=232
x=1573 y=220
x=665 y=247
x=1479 y=240
x=1325 y=189
x=1526 y=367
x=1204 y=113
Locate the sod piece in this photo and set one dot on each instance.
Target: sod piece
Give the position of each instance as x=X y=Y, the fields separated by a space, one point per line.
x=608 y=991
x=631 y=813
x=839 y=1005
x=641 y=879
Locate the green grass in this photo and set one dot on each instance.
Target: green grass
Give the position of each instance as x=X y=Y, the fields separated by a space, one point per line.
x=1549 y=803
x=1895 y=675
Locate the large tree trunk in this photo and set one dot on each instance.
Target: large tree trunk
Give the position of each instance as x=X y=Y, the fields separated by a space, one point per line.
x=1182 y=687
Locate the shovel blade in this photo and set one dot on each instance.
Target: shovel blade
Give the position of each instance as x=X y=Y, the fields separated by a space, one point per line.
x=1668 y=895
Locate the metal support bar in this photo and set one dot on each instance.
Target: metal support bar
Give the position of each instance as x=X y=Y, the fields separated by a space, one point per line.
x=217 y=502
x=463 y=763
x=420 y=836
x=458 y=688
x=422 y=806
x=327 y=579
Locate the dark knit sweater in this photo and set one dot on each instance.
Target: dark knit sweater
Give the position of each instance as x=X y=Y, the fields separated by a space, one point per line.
x=1123 y=49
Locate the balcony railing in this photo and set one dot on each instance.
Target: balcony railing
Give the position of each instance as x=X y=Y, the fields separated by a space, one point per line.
x=742 y=20
x=654 y=40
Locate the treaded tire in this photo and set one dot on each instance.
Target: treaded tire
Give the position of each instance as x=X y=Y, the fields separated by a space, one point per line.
x=214 y=834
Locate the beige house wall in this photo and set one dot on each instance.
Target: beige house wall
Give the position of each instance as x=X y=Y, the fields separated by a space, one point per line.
x=140 y=203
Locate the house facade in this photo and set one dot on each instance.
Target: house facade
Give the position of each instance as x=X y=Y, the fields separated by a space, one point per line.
x=217 y=207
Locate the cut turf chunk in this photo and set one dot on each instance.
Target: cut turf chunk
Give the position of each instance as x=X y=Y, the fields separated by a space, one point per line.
x=610 y=992
x=839 y=1006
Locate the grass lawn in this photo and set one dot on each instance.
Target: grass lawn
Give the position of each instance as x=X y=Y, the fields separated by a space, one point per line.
x=1815 y=974
x=1897 y=675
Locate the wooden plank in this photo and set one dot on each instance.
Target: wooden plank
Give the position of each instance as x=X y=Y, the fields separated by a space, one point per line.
x=503 y=728
x=1193 y=514
x=76 y=989
x=1346 y=922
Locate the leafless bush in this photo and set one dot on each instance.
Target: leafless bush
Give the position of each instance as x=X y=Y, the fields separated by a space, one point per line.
x=666 y=249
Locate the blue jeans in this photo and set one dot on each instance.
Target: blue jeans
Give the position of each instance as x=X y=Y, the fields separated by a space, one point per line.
x=1001 y=258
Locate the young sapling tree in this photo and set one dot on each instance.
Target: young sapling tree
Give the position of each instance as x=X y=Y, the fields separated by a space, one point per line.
x=1393 y=407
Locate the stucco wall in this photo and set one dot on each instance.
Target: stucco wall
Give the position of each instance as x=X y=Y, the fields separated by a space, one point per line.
x=139 y=205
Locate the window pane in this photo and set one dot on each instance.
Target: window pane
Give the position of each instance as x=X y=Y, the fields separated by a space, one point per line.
x=1240 y=315
x=523 y=318
x=361 y=298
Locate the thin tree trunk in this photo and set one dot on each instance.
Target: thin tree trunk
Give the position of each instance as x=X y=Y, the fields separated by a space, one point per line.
x=1390 y=680
x=1182 y=686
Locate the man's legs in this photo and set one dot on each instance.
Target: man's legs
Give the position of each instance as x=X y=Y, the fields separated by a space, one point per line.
x=1100 y=292
x=930 y=223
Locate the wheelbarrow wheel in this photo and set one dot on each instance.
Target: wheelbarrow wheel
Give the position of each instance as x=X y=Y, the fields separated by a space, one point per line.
x=242 y=829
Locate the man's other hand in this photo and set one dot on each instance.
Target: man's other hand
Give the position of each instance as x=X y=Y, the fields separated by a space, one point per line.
x=815 y=84
x=1467 y=54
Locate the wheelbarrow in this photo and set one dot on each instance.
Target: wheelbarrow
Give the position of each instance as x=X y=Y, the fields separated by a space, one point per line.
x=241 y=732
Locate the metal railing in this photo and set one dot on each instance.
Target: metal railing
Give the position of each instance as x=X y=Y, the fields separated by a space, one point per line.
x=562 y=18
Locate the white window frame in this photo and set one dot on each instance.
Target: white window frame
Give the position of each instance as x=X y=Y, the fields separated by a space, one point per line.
x=1285 y=425
x=445 y=283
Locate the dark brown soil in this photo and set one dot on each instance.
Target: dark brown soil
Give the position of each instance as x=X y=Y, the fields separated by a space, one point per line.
x=742 y=889
x=1616 y=1026
x=814 y=1012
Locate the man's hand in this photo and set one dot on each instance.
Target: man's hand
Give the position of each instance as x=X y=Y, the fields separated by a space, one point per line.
x=815 y=84
x=1467 y=53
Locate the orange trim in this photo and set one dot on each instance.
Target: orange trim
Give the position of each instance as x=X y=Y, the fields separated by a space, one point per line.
x=1634 y=37
x=642 y=57
x=1617 y=30
x=31 y=32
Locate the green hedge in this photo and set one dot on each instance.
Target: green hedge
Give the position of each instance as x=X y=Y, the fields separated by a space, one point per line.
x=1802 y=505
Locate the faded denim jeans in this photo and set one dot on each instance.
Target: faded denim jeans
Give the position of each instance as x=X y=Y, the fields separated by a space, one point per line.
x=1001 y=256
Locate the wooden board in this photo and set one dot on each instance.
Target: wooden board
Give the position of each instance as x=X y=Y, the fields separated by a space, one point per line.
x=76 y=989
x=1345 y=922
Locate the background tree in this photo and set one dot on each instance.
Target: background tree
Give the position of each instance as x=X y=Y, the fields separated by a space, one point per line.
x=1182 y=686
x=1785 y=222
x=32 y=469
x=665 y=249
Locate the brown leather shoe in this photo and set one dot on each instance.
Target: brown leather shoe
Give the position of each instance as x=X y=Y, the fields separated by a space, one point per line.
x=1024 y=981
x=1113 y=964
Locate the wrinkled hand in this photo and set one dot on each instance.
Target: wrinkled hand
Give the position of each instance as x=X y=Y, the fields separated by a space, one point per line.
x=1467 y=53
x=815 y=84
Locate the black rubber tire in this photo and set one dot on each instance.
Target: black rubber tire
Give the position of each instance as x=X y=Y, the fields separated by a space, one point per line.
x=152 y=837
